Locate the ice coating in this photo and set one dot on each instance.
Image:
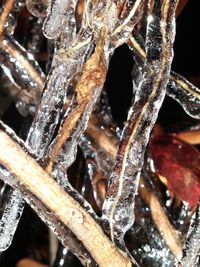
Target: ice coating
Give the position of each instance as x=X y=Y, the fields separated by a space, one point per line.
x=62 y=71
x=38 y=8
x=9 y=20
x=178 y=88
x=151 y=249
x=191 y=247
x=15 y=62
x=123 y=183
x=54 y=22
x=67 y=62
x=10 y=217
x=185 y=94
x=93 y=72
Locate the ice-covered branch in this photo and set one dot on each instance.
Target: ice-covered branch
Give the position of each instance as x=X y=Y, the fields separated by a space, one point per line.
x=109 y=144
x=191 y=247
x=123 y=183
x=34 y=179
x=6 y=9
x=178 y=88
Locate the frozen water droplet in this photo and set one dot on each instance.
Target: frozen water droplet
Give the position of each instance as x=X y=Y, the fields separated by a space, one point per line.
x=38 y=7
x=10 y=218
x=54 y=22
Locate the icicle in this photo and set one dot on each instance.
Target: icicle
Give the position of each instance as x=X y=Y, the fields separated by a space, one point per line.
x=53 y=24
x=14 y=204
x=69 y=30
x=98 y=167
x=87 y=93
x=67 y=62
x=21 y=68
x=123 y=183
x=38 y=8
x=191 y=249
x=10 y=217
x=47 y=117
x=99 y=163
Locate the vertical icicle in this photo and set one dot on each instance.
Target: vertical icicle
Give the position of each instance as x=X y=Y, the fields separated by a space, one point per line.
x=10 y=218
x=123 y=183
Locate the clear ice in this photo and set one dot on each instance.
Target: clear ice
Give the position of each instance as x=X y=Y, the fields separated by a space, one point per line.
x=191 y=249
x=38 y=8
x=10 y=217
x=123 y=183
x=53 y=24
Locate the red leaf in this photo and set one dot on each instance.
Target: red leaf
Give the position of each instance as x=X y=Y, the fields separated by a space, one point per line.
x=178 y=163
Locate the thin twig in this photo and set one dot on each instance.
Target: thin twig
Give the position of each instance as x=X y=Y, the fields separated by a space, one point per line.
x=4 y=15
x=15 y=205
x=11 y=48
x=31 y=176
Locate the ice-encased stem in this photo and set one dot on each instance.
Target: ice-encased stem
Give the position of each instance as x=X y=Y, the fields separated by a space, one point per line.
x=66 y=236
x=123 y=183
x=64 y=68
x=178 y=88
x=38 y=7
x=22 y=69
x=191 y=249
x=10 y=217
x=185 y=93
x=15 y=205
x=87 y=92
x=109 y=143
x=32 y=177
x=54 y=22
